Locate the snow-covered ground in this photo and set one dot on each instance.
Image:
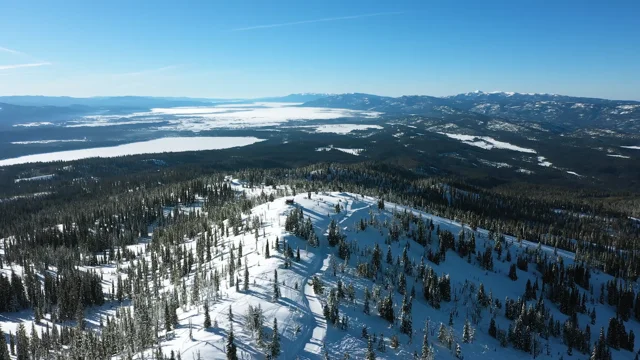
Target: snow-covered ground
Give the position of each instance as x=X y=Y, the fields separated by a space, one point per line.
x=631 y=147
x=173 y=144
x=355 y=152
x=36 y=178
x=486 y=142
x=305 y=334
x=542 y=161
x=342 y=129
x=46 y=141
x=223 y=116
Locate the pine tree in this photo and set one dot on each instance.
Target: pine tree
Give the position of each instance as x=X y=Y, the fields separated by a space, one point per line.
x=266 y=250
x=22 y=343
x=493 y=330
x=168 y=318
x=467 y=332
x=245 y=284
x=458 y=351
x=427 y=351
x=275 y=340
x=4 y=350
x=207 y=318
x=370 y=355
x=406 y=322
x=276 y=286
x=232 y=351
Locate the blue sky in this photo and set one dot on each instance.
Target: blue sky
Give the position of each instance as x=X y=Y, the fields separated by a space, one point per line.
x=262 y=48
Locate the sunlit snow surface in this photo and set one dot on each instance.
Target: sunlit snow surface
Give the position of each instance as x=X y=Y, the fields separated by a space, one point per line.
x=46 y=141
x=174 y=144
x=224 y=116
x=631 y=147
x=343 y=129
x=486 y=142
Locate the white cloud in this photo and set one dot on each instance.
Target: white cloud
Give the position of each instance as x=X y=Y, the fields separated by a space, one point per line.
x=18 y=66
x=11 y=51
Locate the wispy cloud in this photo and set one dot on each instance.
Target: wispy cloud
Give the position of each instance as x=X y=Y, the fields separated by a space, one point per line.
x=18 y=66
x=11 y=51
x=317 y=21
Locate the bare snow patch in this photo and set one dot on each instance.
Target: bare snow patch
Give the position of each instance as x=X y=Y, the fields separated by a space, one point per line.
x=494 y=164
x=355 y=152
x=631 y=147
x=486 y=142
x=525 y=171
x=36 y=178
x=542 y=161
x=619 y=156
x=343 y=129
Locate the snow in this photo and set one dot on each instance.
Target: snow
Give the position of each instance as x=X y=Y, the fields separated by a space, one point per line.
x=486 y=142
x=342 y=129
x=619 y=156
x=574 y=173
x=355 y=152
x=207 y=118
x=34 y=124
x=543 y=162
x=223 y=116
x=36 y=178
x=163 y=145
x=525 y=171
x=631 y=147
x=494 y=164
x=46 y=141
x=299 y=307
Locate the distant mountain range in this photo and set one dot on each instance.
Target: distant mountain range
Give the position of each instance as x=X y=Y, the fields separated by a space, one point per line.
x=557 y=110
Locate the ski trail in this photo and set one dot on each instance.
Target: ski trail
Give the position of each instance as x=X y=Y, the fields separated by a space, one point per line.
x=313 y=348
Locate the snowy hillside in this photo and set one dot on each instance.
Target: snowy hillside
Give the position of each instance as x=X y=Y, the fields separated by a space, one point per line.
x=353 y=280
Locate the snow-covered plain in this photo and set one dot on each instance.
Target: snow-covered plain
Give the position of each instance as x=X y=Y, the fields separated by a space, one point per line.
x=172 y=144
x=486 y=142
x=631 y=147
x=223 y=116
x=342 y=129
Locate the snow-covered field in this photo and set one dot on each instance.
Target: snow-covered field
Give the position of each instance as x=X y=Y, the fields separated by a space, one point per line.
x=486 y=142
x=343 y=129
x=173 y=144
x=223 y=116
